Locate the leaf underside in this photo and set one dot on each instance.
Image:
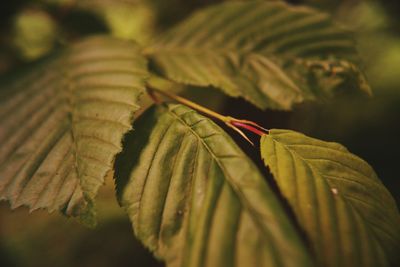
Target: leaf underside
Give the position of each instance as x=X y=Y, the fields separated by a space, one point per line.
x=195 y=199
x=268 y=52
x=349 y=216
x=62 y=124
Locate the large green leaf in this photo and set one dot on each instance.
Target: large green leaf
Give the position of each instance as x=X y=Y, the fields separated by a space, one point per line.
x=348 y=214
x=61 y=125
x=195 y=199
x=270 y=53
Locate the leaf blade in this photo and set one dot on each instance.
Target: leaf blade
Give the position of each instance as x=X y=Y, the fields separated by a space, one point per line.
x=196 y=200
x=267 y=52
x=75 y=109
x=345 y=210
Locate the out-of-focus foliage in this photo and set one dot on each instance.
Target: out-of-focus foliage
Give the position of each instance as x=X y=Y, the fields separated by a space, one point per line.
x=39 y=239
x=130 y=22
x=353 y=120
x=35 y=33
x=378 y=44
x=127 y=19
x=303 y=56
x=63 y=124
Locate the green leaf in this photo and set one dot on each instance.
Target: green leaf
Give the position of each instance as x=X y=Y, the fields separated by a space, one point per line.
x=195 y=199
x=62 y=124
x=268 y=52
x=347 y=213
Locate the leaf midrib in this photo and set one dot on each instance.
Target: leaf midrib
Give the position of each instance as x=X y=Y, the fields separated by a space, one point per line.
x=347 y=200
x=220 y=51
x=236 y=190
x=227 y=53
x=71 y=101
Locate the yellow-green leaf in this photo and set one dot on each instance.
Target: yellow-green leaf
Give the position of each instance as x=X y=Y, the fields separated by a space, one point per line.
x=349 y=216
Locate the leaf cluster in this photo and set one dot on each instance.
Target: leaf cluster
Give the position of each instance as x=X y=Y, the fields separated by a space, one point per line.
x=194 y=198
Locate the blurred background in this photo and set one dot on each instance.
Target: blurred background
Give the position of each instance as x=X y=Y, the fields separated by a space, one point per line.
x=368 y=127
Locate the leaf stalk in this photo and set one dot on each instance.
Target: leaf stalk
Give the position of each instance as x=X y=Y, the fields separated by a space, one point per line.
x=233 y=123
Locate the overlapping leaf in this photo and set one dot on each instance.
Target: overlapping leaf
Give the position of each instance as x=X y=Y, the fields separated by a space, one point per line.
x=272 y=54
x=195 y=199
x=61 y=126
x=348 y=214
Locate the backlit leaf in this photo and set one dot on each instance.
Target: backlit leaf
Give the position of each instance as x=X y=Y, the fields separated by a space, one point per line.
x=349 y=216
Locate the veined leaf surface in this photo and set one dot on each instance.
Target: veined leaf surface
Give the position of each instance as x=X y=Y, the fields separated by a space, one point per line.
x=272 y=54
x=348 y=214
x=62 y=125
x=195 y=199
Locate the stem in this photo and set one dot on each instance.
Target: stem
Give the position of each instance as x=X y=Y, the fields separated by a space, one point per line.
x=153 y=96
x=192 y=105
x=248 y=127
x=231 y=122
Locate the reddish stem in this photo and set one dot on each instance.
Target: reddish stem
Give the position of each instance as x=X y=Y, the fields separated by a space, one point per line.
x=248 y=127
